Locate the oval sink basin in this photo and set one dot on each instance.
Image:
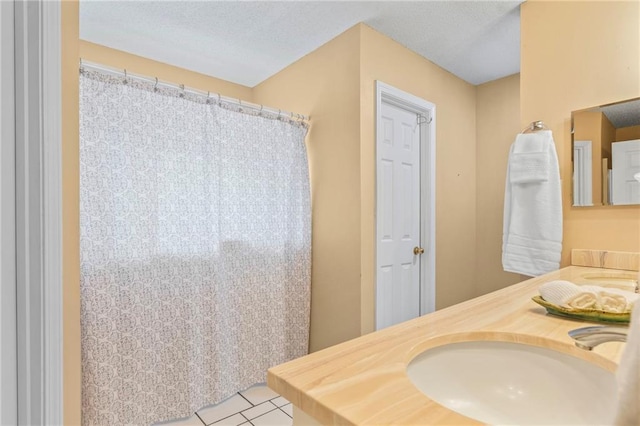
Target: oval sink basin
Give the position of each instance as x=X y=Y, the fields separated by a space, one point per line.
x=621 y=281
x=511 y=383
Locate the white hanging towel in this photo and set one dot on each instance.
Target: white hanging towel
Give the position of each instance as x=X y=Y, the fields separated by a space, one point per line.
x=532 y=231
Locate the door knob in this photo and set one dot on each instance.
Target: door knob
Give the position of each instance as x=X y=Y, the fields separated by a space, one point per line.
x=418 y=250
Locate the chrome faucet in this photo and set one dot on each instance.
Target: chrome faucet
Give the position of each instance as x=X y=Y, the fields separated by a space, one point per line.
x=589 y=337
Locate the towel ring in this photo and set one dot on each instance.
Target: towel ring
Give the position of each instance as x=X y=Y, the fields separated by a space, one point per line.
x=535 y=126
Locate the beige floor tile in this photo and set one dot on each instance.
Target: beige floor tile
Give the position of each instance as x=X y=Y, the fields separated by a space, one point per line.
x=258 y=410
x=191 y=421
x=235 y=420
x=273 y=418
x=259 y=394
x=279 y=401
x=226 y=408
x=287 y=409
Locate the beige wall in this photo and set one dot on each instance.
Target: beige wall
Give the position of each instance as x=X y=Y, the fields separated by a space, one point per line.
x=627 y=133
x=497 y=123
x=324 y=84
x=588 y=126
x=600 y=176
x=72 y=50
x=138 y=65
x=575 y=55
x=385 y=60
x=607 y=136
x=343 y=301
x=335 y=85
x=70 y=213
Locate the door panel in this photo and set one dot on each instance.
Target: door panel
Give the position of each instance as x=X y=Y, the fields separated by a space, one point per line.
x=8 y=327
x=625 y=163
x=398 y=207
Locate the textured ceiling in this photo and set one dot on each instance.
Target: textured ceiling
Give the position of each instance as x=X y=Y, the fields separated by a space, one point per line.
x=623 y=114
x=246 y=42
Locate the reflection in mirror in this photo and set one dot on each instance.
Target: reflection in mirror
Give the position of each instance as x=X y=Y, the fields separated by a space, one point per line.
x=582 y=171
x=606 y=154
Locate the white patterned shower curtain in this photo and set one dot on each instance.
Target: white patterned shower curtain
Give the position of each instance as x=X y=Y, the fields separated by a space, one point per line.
x=195 y=245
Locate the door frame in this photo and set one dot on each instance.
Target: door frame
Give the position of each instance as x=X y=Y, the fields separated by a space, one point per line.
x=8 y=327
x=388 y=94
x=582 y=174
x=51 y=68
x=38 y=211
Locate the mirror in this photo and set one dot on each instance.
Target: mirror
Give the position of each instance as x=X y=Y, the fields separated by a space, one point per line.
x=606 y=154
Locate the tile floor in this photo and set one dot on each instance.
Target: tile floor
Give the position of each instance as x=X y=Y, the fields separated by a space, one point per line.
x=258 y=406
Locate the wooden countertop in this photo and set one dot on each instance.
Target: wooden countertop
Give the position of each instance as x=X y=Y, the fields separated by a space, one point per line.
x=363 y=381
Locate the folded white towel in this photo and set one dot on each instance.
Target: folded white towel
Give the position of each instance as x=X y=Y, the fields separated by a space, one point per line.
x=558 y=292
x=611 y=302
x=583 y=300
x=529 y=167
x=529 y=159
x=631 y=297
x=532 y=231
x=628 y=376
x=569 y=295
x=586 y=298
x=617 y=300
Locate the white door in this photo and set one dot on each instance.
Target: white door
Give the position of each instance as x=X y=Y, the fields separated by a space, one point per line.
x=8 y=325
x=582 y=174
x=398 y=221
x=625 y=162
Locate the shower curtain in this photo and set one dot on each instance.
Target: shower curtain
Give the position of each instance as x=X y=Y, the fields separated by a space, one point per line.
x=195 y=244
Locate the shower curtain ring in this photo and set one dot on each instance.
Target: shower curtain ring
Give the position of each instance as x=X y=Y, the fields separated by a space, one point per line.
x=155 y=87
x=125 y=76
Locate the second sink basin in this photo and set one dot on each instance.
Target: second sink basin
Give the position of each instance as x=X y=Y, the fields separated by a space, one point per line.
x=624 y=281
x=499 y=382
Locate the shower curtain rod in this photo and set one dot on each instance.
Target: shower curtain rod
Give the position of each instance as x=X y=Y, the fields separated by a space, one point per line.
x=214 y=96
